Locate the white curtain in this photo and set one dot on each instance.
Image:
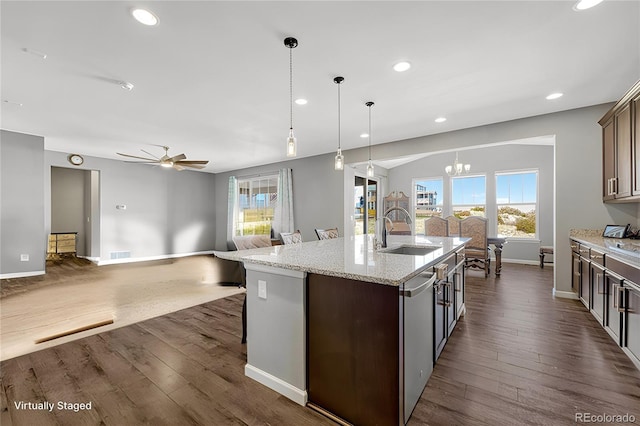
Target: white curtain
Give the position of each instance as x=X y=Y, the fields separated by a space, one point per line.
x=232 y=210
x=283 y=215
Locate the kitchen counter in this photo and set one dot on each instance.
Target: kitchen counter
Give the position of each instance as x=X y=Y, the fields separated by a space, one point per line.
x=352 y=258
x=625 y=249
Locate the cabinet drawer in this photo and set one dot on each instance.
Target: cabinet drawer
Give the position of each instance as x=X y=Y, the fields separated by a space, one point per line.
x=597 y=257
x=625 y=270
x=584 y=251
x=575 y=246
x=66 y=237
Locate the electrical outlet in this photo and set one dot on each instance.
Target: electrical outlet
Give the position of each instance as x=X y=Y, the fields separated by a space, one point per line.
x=262 y=289
x=24 y=258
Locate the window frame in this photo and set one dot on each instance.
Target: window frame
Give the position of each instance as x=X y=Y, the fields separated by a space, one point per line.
x=238 y=207
x=535 y=171
x=475 y=175
x=414 y=198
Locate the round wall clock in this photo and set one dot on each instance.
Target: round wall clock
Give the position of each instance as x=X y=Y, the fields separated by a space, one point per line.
x=75 y=159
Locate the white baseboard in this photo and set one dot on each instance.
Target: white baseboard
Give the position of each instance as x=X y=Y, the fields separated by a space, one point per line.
x=634 y=360
x=565 y=294
x=148 y=258
x=20 y=274
x=523 y=262
x=298 y=396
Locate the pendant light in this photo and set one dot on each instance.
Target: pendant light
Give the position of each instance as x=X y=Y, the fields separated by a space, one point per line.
x=291 y=43
x=339 y=161
x=370 y=169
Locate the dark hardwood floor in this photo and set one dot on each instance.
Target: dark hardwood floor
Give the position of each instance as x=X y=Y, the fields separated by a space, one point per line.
x=518 y=357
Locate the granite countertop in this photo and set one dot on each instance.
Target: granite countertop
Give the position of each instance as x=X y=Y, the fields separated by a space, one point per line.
x=623 y=249
x=352 y=258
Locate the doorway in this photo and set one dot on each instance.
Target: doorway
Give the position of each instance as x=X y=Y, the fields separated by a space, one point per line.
x=365 y=200
x=75 y=208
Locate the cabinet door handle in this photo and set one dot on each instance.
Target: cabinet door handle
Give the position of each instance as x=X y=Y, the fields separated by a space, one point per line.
x=596 y=256
x=615 y=186
x=457 y=281
x=573 y=246
x=584 y=251
x=609 y=190
x=621 y=292
x=598 y=281
x=616 y=299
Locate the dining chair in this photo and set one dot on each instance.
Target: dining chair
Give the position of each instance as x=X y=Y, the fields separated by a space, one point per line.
x=436 y=227
x=454 y=226
x=327 y=234
x=246 y=242
x=477 y=249
x=291 y=237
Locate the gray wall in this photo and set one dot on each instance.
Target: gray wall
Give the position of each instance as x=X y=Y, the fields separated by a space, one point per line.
x=317 y=195
x=488 y=161
x=21 y=203
x=68 y=203
x=578 y=166
x=167 y=212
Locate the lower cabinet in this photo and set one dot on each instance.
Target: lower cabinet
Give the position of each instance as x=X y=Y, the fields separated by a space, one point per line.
x=598 y=292
x=632 y=322
x=584 y=289
x=613 y=312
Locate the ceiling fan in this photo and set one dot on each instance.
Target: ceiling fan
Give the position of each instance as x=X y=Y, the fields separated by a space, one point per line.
x=178 y=162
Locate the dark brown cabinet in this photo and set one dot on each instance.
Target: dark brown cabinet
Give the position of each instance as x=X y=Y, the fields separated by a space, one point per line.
x=620 y=142
x=584 y=289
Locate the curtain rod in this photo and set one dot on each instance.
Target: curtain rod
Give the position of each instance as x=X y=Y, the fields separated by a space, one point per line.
x=259 y=175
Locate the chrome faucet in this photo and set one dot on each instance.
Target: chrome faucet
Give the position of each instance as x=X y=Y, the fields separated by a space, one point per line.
x=386 y=218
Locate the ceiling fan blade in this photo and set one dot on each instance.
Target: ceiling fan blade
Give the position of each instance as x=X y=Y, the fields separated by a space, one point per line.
x=185 y=162
x=177 y=158
x=148 y=153
x=142 y=162
x=135 y=156
x=178 y=167
x=193 y=166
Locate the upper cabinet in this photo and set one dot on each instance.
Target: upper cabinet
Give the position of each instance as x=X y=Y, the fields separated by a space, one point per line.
x=620 y=146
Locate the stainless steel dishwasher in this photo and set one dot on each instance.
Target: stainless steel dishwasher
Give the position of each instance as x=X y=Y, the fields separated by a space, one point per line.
x=416 y=304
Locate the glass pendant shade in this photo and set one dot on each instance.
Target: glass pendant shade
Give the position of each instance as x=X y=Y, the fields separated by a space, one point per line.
x=291 y=144
x=370 y=169
x=339 y=161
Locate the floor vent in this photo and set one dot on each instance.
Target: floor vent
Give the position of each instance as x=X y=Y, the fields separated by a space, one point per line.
x=125 y=254
x=76 y=330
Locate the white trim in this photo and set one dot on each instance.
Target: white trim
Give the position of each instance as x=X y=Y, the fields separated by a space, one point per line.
x=148 y=258
x=298 y=396
x=523 y=261
x=274 y=270
x=20 y=274
x=632 y=357
x=565 y=294
x=93 y=259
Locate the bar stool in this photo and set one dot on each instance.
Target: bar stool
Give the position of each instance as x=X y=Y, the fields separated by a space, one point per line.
x=545 y=250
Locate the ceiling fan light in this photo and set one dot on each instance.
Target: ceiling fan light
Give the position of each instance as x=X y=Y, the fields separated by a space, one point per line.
x=167 y=165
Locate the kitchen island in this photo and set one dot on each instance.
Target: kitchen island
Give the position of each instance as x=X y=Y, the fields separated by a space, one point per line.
x=349 y=330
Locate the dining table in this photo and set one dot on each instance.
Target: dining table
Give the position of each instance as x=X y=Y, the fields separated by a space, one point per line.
x=497 y=243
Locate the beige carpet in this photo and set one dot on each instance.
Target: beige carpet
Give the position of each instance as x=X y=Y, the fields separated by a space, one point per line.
x=76 y=295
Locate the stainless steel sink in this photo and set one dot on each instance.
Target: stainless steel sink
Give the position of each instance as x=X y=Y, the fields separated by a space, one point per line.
x=411 y=250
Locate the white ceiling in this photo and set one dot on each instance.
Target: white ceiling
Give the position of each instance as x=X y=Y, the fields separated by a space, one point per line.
x=212 y=79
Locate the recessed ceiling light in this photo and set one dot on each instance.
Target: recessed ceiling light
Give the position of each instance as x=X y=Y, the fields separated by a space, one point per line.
x=144 y=17
x=554 y=96
x=440 y=120
x=586 y=4
x=364 y=135
x=402 y=66
x=301 y=101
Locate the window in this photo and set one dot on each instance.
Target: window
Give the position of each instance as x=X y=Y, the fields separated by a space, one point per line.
x=517 y=202
x=256 y=204
x=427 y=201
x=468 y=196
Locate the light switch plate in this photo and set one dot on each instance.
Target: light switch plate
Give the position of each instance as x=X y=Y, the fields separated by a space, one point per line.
x=24 y=258
x=262 y=289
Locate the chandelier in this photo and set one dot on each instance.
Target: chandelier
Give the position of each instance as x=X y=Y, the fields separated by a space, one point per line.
x=457 y=168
